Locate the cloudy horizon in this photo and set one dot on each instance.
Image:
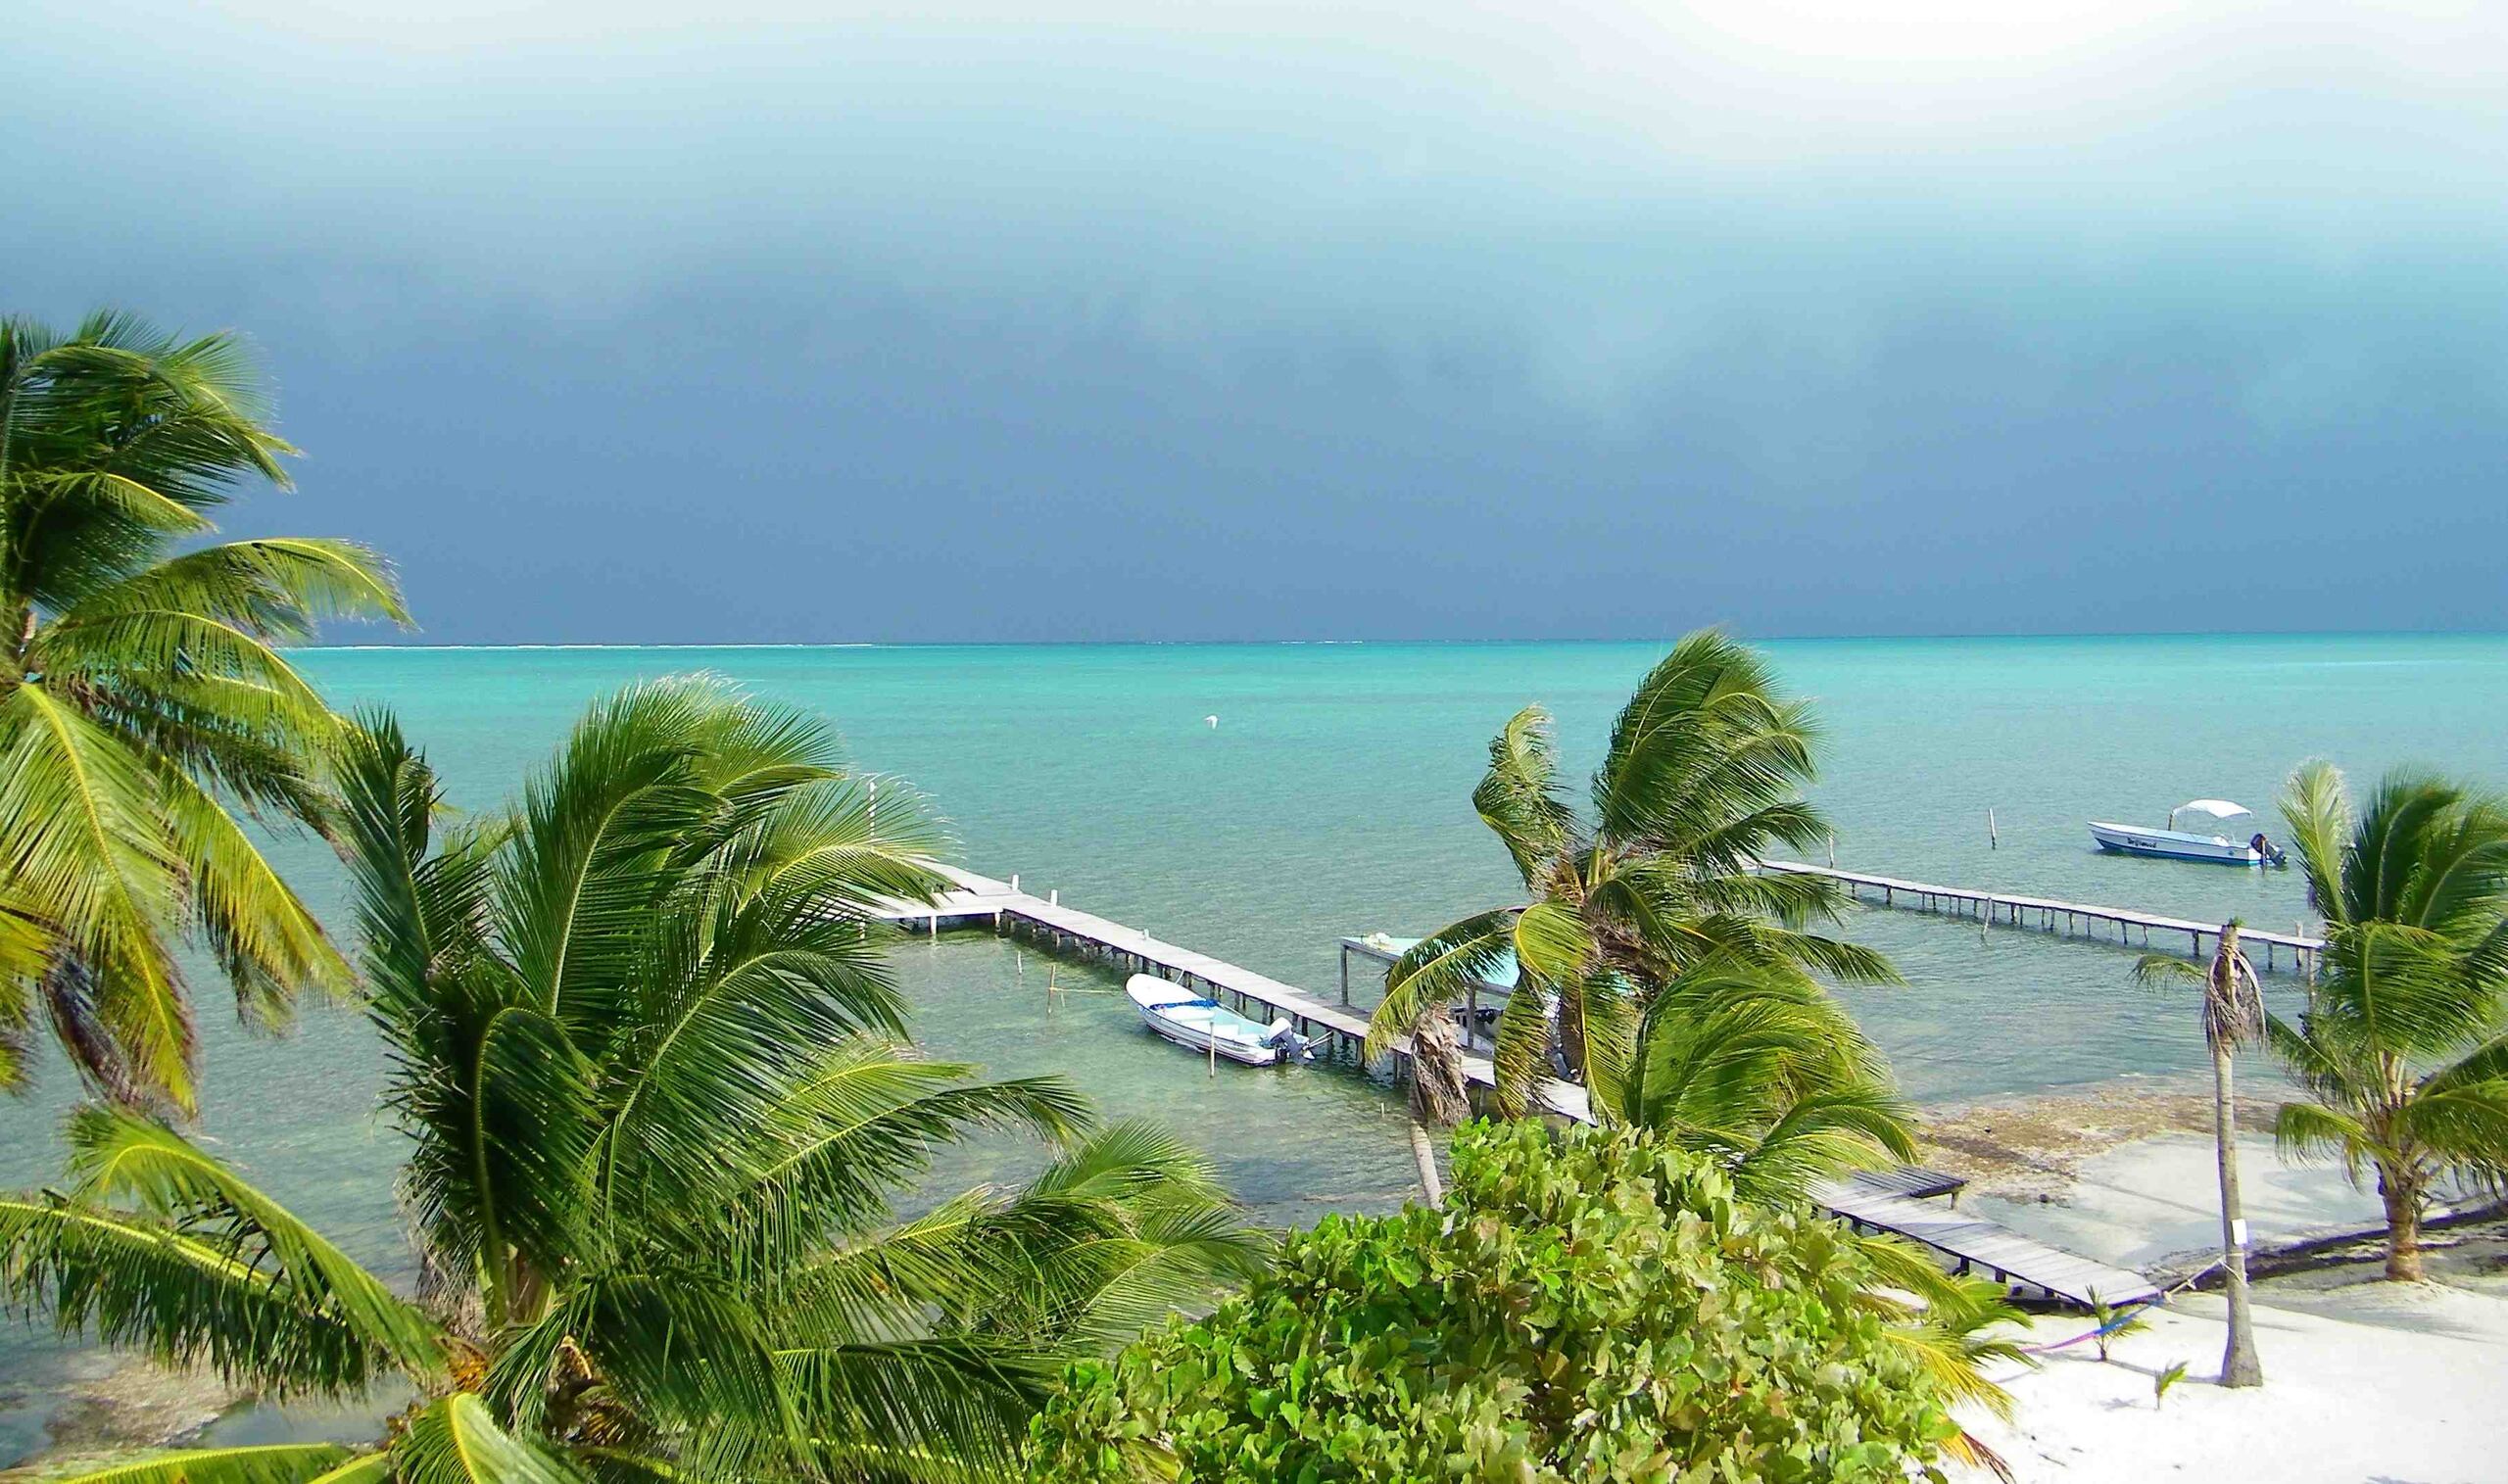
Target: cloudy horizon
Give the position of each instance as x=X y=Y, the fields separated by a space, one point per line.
x=966 y=322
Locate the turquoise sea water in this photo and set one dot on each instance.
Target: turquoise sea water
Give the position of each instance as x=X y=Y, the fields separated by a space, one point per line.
x=1333 y=798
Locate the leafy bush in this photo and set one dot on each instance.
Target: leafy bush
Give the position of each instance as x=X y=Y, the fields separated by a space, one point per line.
x=1588 y=1305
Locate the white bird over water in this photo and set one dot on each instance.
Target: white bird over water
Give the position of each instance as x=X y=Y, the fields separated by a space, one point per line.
x=1211 y=722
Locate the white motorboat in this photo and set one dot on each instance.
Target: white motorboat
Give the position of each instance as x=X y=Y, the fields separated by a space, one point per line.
x=2172 y=844
x=1200 y=1024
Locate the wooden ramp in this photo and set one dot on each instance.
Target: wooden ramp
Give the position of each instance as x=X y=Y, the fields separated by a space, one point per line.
x=1872 y=1200
x=1893 y=1200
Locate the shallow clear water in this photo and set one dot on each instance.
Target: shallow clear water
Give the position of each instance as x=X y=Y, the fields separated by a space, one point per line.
x=1333 y=798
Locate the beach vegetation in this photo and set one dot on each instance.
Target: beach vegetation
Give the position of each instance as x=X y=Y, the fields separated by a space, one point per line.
x=2161 y=1383
x=1589 y=1304
x=2401 y=1046
x=660 y=1108
x=1703 y=777
x=2111 y=1323
x=146 y=714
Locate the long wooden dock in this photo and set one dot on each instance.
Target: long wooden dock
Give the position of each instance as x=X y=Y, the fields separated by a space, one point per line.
x=1882 y=1200
x=2281 y=951
x=1004 y=905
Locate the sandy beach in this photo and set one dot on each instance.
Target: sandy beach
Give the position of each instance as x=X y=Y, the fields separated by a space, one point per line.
x=2366 y=1382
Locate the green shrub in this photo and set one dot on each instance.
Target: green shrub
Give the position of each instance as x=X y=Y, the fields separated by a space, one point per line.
x=1588 y=1305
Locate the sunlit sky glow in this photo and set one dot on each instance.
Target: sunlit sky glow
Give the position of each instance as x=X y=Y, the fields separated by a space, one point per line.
x=632 y=322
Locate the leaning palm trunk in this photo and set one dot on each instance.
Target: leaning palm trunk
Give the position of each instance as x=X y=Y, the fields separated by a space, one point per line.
x=1436 y=1094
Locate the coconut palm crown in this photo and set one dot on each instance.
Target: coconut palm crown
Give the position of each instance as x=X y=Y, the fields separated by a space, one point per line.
x=2403 y=1048
x=143 y=704
x=1703 y=777
x=647 y=1054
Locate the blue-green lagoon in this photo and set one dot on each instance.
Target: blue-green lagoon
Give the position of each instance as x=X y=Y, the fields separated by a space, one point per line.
x=1333 y=798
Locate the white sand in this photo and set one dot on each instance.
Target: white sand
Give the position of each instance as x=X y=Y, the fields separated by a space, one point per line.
x=2155 y=1204
x=2365 y=1382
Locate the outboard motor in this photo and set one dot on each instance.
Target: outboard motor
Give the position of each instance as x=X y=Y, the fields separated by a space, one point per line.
x=1283 y=1039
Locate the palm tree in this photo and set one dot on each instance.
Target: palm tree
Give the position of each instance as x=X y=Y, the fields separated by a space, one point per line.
x=1703 y=776
x=2401 y=1045
x=142 y=701
x=646 y=1051
x=1755 y=1066
x=2233 y=1014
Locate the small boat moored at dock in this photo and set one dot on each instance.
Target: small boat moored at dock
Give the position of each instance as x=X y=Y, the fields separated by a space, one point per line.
x=2172 y=844
x=1200 y=1024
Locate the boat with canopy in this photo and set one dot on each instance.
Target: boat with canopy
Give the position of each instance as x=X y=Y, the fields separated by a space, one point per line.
x=2172 y=844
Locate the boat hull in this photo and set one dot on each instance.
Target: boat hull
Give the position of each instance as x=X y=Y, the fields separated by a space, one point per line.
x=2172 y=844
x=1200 y=1024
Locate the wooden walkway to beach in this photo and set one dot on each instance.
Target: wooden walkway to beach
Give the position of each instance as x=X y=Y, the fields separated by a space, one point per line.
x=1892 y=1200
x=2279 y=951
x=1871 y=1202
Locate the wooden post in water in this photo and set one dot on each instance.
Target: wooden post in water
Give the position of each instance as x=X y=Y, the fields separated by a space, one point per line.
x=1993 y=837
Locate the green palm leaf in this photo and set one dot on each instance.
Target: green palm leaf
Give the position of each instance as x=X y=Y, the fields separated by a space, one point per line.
x=456 y=1441
x=1518 y=797
x=116 y=1156
x=261 y=1463
x=88 y=855
x=182 y=1299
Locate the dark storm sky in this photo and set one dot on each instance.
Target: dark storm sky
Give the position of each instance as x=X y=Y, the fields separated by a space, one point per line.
x=1130 y=321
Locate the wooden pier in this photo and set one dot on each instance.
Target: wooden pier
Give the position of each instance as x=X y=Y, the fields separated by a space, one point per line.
x=1002 y=906
x=2281 y=951
x=1880 y=1200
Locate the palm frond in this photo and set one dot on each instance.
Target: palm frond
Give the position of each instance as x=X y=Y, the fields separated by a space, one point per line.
x=117 y=1156
x=456 y=1441
x=258 y=1464
x=262 y=934
x=1438 y=971
x=2317 y=811
x=181 y=1299
x=89 y=856
x=931 y=1409
x=1518 y=797
x=816 y=1161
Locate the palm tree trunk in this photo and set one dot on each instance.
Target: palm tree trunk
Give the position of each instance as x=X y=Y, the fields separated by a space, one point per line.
x=1436 y=1093
x=2404 y=1229
x=2238 y=1364
x=1425 y=1150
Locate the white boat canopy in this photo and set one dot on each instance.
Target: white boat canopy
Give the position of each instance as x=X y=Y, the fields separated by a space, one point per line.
x=2218 y=808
